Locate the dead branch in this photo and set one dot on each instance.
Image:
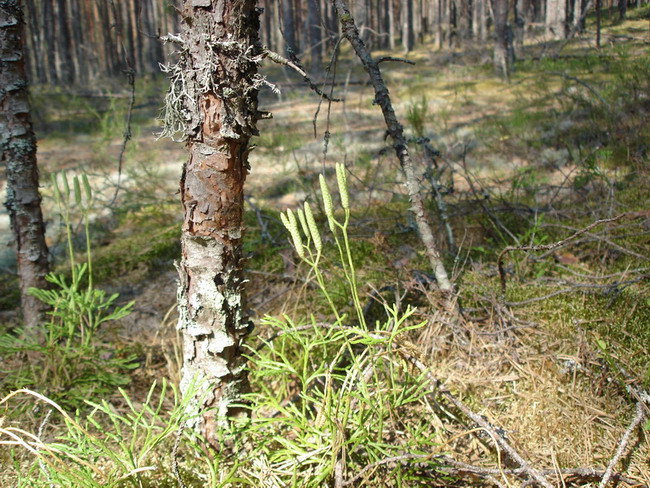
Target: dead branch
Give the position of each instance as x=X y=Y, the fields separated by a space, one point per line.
x=609 y=242
x=402 y=350
x=580 y=82
x=383 y=59
x=481 y=197
x=130 y=76
x=279 y=59
x=547 y=247
x=537 y=476
x=396 y=131
x=616 y=286
x=177 y=443
x=264 y=228
x=430 y=155
x=638 y=418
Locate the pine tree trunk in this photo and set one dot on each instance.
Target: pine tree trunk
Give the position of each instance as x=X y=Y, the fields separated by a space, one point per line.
x=556 y=18
x=521 y=11
x=289 y=29
x=392 y=30
x=598 y=21
x=18 y=145
x=314 y=33
x=437 y=25
x=361 y=14
x=407 y=25
x=218 y=64
x=501 y=47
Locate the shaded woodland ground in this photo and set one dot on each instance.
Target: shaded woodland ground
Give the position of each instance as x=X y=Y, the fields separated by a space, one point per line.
x=557 y=363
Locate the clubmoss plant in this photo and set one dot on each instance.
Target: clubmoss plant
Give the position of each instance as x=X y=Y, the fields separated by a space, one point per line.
x=67 y=360
x=311 y=251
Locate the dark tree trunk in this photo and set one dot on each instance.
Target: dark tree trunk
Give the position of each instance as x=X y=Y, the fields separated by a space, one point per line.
x=50 y=44
x=19 y=154
x=392 y=31
x=463 y=14
x=501 y=45
x=267 y=26
x=289 y=29
x=218 y=65
x=622 y=9
x=521 y=11
x=314 y=33
x=65 y=65
x=598 y=20
x=482 y=19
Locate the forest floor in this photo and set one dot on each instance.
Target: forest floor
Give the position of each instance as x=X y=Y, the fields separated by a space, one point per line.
x=558 y=362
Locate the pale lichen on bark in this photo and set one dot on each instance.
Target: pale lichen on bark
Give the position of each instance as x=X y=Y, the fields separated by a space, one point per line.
x=212 y=102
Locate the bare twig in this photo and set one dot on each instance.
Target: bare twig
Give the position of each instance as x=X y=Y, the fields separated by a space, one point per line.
x=430 y=157
x=330 y=71
x=177 y=443
x=264 y=228
x=582 y=83
x=382 y=98
x=615 y=286
x=39 y=435
x=481 y=198
x=638 y=418
x=478 y=419
x=537 y=476
x=547 y=247
x=396 y=60
x=130 y=76
x=279 y=59
x=460 y=468
x=609 y=242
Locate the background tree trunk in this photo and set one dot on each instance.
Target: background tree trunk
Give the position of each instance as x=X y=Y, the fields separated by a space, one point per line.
x=19 y=154
x=221 y=48
x=556 y=17
x=408 y=37
x=521 y=11
x=501 y=47
x=289 y=29
x=392 y=31
x=314 y=35
x=598 y=20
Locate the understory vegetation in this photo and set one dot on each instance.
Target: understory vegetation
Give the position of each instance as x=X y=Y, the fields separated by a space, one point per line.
x=360 y=376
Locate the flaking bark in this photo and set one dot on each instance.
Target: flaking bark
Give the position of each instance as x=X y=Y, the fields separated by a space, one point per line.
x=18 y=144
x=216 y=83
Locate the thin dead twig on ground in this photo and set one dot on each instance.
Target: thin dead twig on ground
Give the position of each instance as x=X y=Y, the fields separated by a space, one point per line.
x=638 y=418
x=535 y=476
x=610 y=287
x=548 y=247
x=177 y=443
x=502 y=443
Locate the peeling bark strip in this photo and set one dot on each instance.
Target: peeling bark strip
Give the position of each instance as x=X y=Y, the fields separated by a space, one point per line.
x=18 y=145
x=396 y=132
x=215 y=86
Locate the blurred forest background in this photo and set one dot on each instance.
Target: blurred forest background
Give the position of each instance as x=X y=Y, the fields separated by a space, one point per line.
x=528 y=123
